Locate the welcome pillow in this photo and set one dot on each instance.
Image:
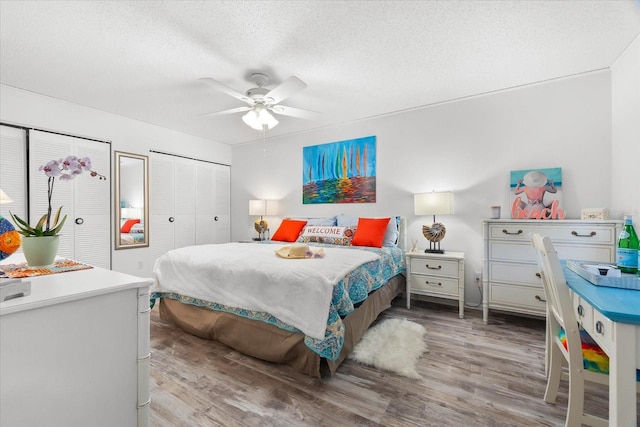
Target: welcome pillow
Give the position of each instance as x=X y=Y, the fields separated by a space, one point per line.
x=322 y=234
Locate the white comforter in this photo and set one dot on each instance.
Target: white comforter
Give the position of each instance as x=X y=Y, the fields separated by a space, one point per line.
x=251 y=276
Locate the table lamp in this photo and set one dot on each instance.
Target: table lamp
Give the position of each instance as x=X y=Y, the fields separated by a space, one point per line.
x=434 y=203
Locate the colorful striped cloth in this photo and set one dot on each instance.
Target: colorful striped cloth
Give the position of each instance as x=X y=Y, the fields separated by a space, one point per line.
x=594 y=358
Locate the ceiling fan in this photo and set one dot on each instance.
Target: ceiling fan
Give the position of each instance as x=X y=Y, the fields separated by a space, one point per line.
x=262 y=102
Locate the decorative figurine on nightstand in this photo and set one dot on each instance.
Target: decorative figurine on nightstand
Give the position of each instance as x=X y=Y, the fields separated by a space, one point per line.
x=434 y=234
x=262 y=228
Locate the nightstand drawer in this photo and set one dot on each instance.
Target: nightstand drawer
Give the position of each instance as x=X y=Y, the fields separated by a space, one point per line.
x=434 y=267
x=433 y=284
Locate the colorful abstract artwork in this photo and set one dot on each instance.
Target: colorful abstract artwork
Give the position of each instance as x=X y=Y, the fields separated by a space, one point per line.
x=340 y=172
x=536 y=194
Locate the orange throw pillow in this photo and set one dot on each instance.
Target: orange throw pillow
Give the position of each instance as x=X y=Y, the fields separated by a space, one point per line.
x=126 y=227
x=370 y=232
x=289 y=230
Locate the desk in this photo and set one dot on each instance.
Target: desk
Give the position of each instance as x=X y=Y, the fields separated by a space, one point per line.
x=612 y=318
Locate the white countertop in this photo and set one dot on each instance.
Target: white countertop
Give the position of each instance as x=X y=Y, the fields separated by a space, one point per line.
x=73 y=285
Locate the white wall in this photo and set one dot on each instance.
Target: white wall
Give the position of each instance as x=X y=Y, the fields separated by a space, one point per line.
x=467 y=146
x=625 y=101
x=133 y=136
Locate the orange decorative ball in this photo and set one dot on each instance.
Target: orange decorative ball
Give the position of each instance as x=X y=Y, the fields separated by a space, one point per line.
x=9 y=238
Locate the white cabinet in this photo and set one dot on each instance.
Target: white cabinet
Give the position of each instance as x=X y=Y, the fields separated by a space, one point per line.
x=76 y=351
x=511 y=281
x=436 y=275
x=86 y=200
x=189 y=203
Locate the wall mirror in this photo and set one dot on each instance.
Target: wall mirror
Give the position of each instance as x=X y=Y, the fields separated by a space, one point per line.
x=132 y=200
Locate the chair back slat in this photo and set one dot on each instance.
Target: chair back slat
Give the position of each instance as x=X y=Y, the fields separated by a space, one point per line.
x=559 y=302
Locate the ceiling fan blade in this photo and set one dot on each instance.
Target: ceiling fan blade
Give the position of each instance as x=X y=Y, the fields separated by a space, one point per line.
x=231 y=111
x=285 y=89
x=295 y=112
x=226 y=89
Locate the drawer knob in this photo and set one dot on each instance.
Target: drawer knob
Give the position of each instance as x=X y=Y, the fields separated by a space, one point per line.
x=538 y=275
x=580 y=310
x=600 y=327
x=575 y=233
x=433 y=268
x=539 y=298
x=432 y=283
x=511 y=232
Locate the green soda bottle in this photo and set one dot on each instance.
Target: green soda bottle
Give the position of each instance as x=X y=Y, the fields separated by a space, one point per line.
x=627 y=249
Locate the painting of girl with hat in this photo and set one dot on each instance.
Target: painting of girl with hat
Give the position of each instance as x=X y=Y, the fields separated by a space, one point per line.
x=536 y=194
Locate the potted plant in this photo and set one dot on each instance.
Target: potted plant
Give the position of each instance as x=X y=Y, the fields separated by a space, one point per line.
x=40 y=242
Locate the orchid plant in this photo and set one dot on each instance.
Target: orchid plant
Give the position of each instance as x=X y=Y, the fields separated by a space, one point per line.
x=64 y=169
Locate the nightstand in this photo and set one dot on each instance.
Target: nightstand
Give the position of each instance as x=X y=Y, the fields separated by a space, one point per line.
x=436 y=275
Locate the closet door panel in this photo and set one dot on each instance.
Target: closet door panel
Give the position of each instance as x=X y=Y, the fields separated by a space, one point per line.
x=161 y=181
x=222 y=204
x=185 y=202
x=86 y=200
x=44 y=147
x=205 y=204
x=13 y=171
x=92 y=241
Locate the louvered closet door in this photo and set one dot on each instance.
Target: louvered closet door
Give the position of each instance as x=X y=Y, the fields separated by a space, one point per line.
x=212 y=203
x=85 y=200
x=92 y=207
x=44 y=147
x=185 y=202
x=161 y=201
x=13 y=171
x=222 y=203
x=205 y=203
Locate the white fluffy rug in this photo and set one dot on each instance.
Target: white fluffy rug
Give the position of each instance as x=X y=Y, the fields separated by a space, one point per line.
x=392 y=345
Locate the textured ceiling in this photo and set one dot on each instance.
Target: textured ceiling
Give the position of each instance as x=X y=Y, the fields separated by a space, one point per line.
x=144 y=59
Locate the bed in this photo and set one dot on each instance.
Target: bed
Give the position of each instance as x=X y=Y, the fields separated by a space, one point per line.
x=306 y=313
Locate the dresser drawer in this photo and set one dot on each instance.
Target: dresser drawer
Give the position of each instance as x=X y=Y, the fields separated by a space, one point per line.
x=434 y=284
x=524 y=252
x=529 y=297
x=434 y=267
x=526 y=274
x=583 y=233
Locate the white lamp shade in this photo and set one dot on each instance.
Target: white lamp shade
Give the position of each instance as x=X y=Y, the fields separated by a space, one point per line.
x=272 y=207
x=434 y=203
x=257 y=207
x=4 y=199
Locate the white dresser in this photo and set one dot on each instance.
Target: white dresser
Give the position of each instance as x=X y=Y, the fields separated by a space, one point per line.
x=511 y=280
x=76 y=351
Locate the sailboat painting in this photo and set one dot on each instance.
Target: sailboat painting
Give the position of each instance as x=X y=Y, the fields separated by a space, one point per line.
x=340 y=172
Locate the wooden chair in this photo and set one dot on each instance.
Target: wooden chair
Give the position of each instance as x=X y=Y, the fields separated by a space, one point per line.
x=564 y=363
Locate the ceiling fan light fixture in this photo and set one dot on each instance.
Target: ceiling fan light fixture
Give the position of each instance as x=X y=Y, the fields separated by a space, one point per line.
x=259 y=117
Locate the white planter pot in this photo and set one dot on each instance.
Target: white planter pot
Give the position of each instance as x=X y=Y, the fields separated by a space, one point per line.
x=41 y=251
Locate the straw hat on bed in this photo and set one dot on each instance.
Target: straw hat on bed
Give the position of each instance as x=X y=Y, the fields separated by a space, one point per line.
x=298 y=251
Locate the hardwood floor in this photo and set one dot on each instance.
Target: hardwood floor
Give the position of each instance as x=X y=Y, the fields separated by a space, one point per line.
x=473 y=375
